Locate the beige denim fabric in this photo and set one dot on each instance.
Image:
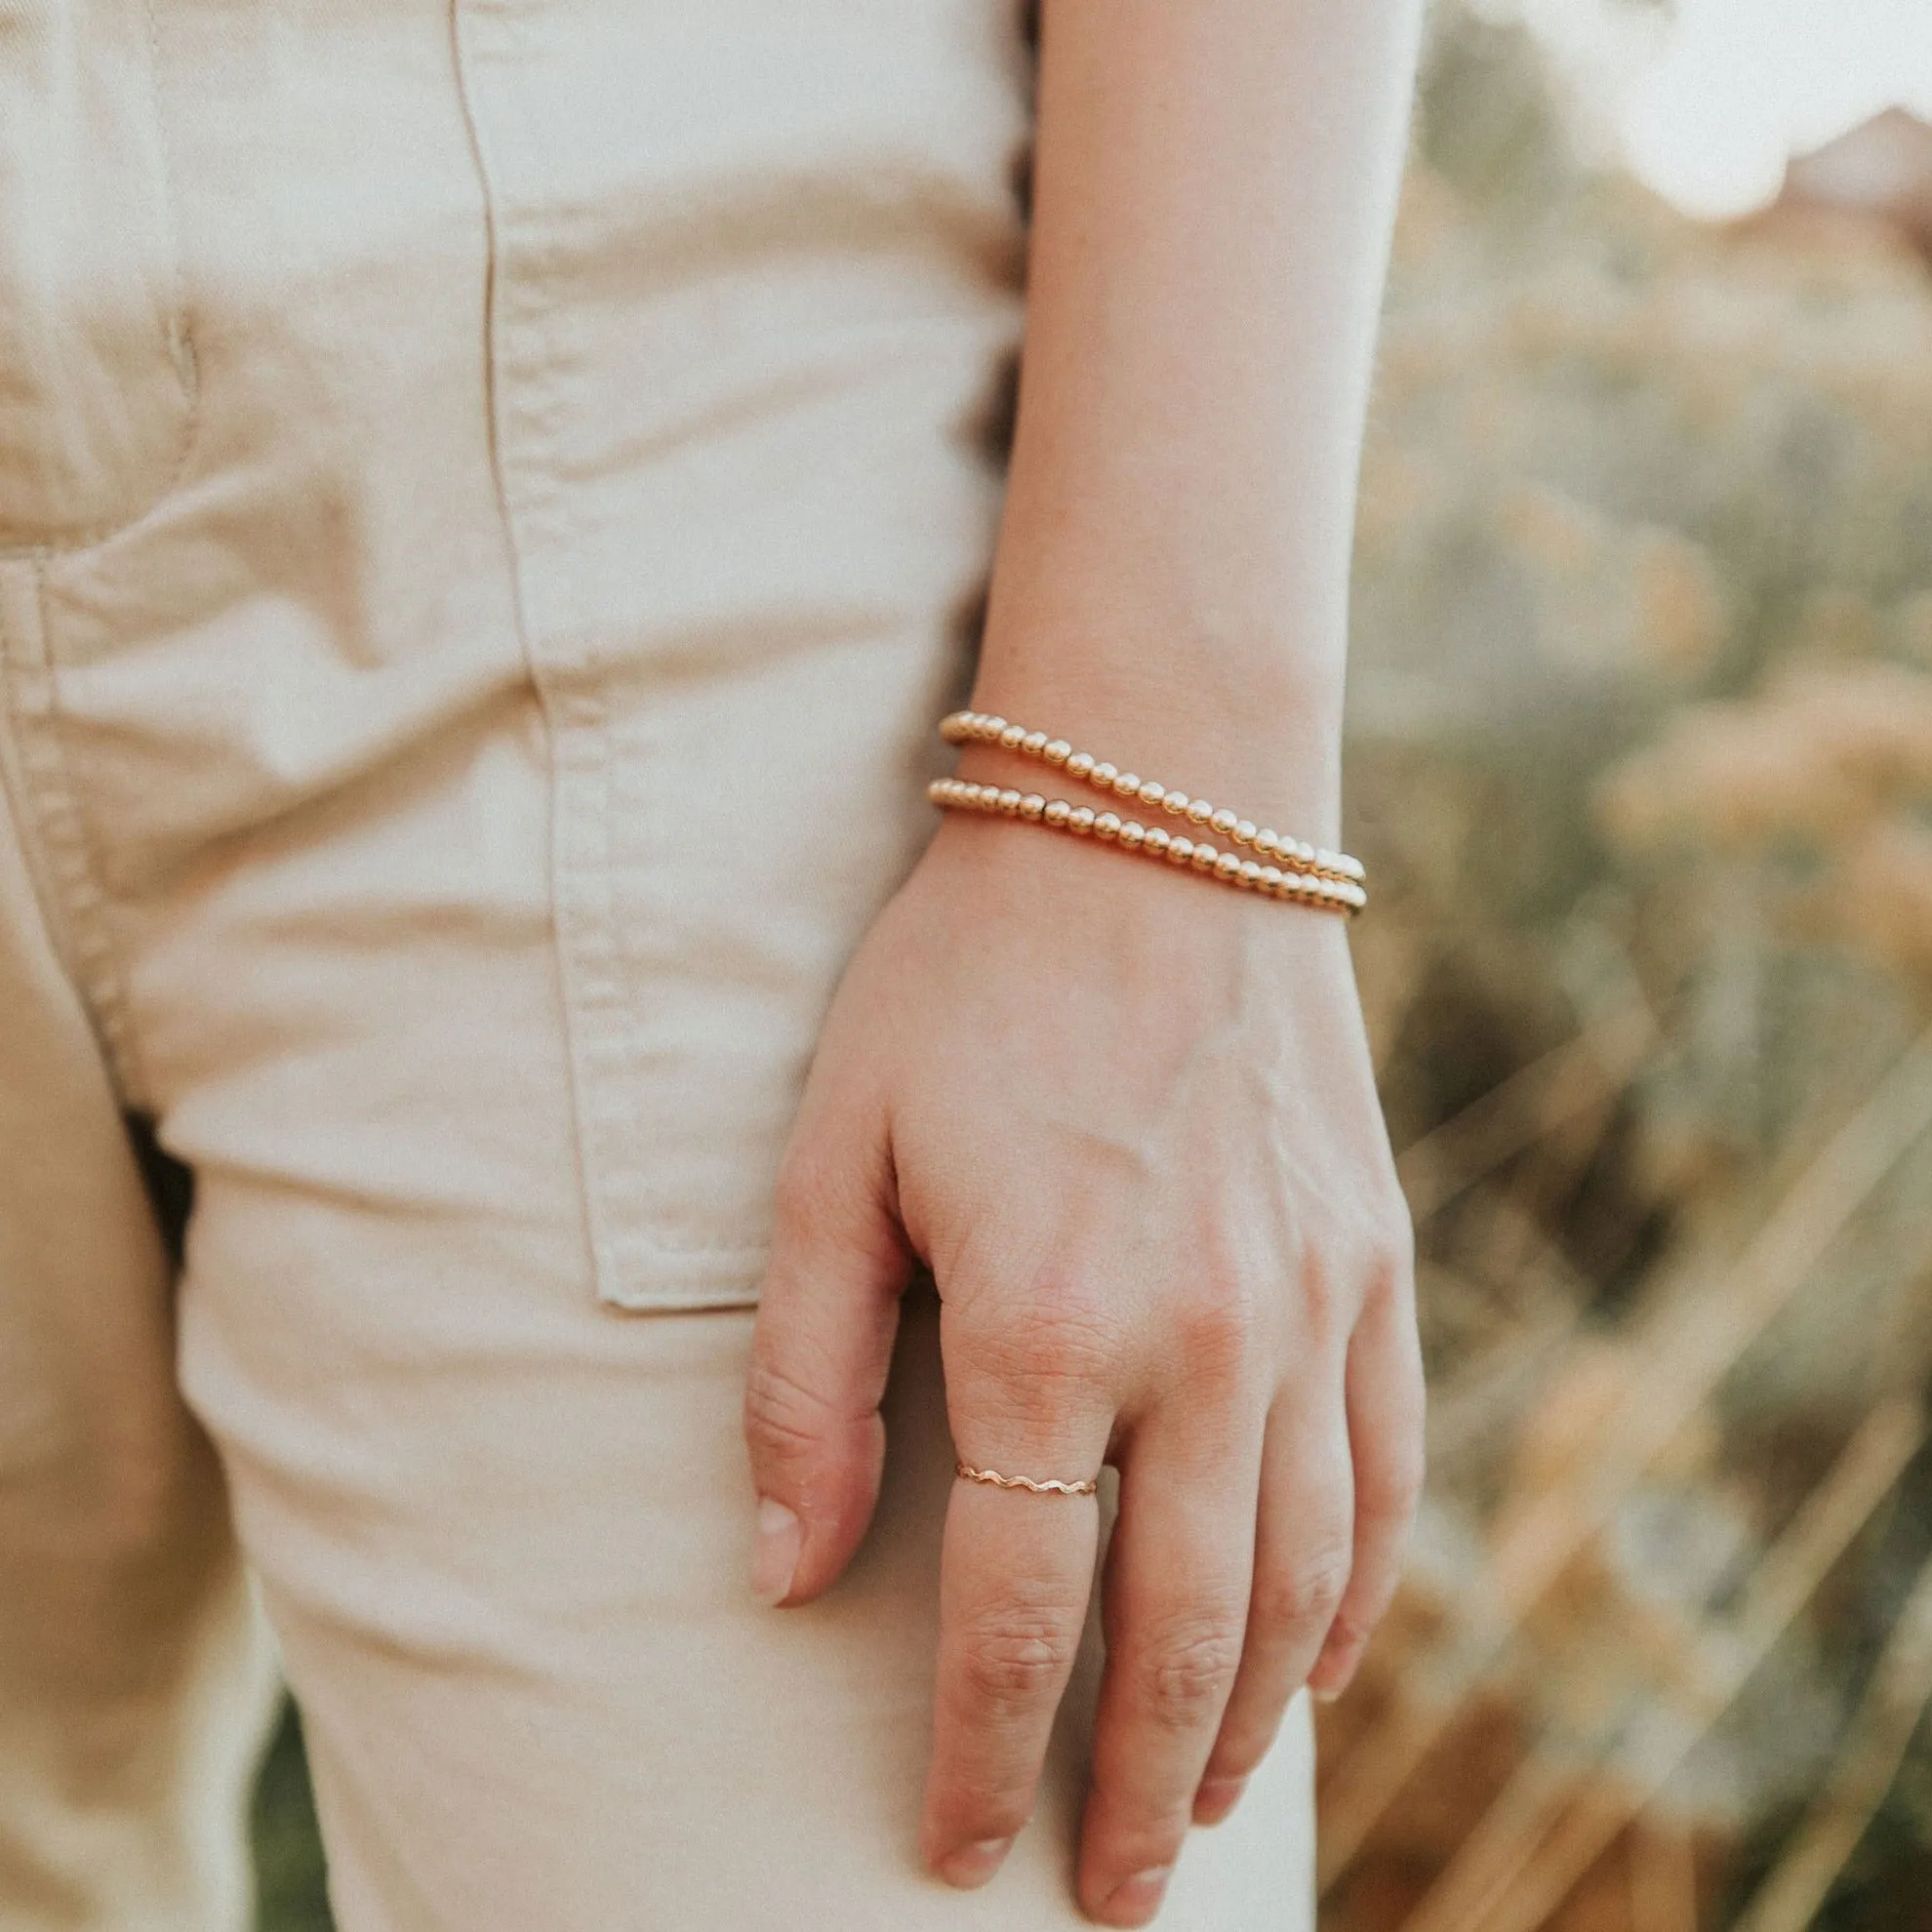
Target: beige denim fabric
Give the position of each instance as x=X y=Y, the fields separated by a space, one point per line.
x=489 y=501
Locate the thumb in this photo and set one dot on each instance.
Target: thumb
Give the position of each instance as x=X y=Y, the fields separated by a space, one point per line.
x=820 y=1351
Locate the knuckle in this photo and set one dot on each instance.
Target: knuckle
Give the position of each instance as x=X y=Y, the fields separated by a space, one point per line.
x=1390 y=1488
x=784 y=1419
x=1063 y=1341
x=817 y=1203
x=1215 y=1336
x=1300 y=1598
x=1184 y=1671
x=1041 y=1359
x=1349 y=1632
x=1328 y=1303
x=1015 y=1661
x=1392 y=1262
x=988 y=1810
x=1365 y=1257
x=1383 y=1246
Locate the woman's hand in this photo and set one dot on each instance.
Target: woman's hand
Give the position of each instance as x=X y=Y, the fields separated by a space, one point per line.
x=1126 y=1118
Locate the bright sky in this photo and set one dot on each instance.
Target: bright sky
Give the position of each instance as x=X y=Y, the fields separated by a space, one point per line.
x=1707 y=97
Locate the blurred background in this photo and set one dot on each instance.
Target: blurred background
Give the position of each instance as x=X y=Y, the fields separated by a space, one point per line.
x=1641 y=762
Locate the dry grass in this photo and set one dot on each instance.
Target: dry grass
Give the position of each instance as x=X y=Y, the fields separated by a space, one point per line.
x=1642 y=757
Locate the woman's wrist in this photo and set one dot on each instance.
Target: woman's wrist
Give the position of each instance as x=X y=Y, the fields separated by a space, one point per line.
x=1265 y=746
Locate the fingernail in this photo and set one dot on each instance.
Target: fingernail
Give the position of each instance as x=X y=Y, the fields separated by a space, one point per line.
x=1217 y=1797
x=774 y=1550
x=1131 y=1902
x=971 y=1865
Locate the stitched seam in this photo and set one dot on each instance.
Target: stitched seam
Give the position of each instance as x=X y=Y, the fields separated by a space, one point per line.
x=80 y=915
x=585 y=722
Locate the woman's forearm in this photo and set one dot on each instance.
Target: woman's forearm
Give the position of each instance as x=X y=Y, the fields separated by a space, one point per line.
x=1215 y=185
x=1126 y=1118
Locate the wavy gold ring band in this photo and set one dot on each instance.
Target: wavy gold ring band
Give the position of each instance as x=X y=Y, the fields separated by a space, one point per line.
x=1052 y=1486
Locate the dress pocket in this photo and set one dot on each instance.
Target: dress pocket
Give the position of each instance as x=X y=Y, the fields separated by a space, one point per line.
x=97 y=371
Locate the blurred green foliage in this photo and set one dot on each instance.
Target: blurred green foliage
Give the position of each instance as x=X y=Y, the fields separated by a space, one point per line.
x=291 y=1892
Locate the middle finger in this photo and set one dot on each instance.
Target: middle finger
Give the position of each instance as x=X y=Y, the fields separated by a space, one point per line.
x=1178 y=1575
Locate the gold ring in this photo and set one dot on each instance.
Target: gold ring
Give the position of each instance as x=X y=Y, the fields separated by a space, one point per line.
x=1052 y=1486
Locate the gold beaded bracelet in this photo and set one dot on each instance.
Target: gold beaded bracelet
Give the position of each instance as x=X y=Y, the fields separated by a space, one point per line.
x=1326 y=894
x=983 y=728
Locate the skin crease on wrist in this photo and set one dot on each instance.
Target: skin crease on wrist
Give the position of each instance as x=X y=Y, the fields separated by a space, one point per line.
x=1124 y=1114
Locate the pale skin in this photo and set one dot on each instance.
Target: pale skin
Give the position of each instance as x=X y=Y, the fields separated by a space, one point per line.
x=1125 y=1114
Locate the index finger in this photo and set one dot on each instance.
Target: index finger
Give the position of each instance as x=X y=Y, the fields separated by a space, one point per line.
x=1014 y=1575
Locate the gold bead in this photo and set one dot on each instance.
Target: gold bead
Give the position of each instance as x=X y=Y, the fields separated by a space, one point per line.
x=1080 y=765
x=1180 y=851
x=1204 y=856
x=1151 y=793
x=956 y=727
x=1224 y=821
x=1200 y=811
x=1009 y=802
x=1270 y=878
x=1058 y=812
x=989 y=726
x=1102 y=775
x=1031 y=806
x=1033 y=744
x=1244 y=832
x=1013 y=737
x=1082 y=820
x=1108 y=825
x=1057 y=751
x=1176 y=802
x=1250 y=874
x=1133 y=834
x=1157 y=841
x=1228 y=866
x=1127 y=786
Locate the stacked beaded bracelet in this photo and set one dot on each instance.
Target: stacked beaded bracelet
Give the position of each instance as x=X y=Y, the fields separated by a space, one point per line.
x=1307 y=874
